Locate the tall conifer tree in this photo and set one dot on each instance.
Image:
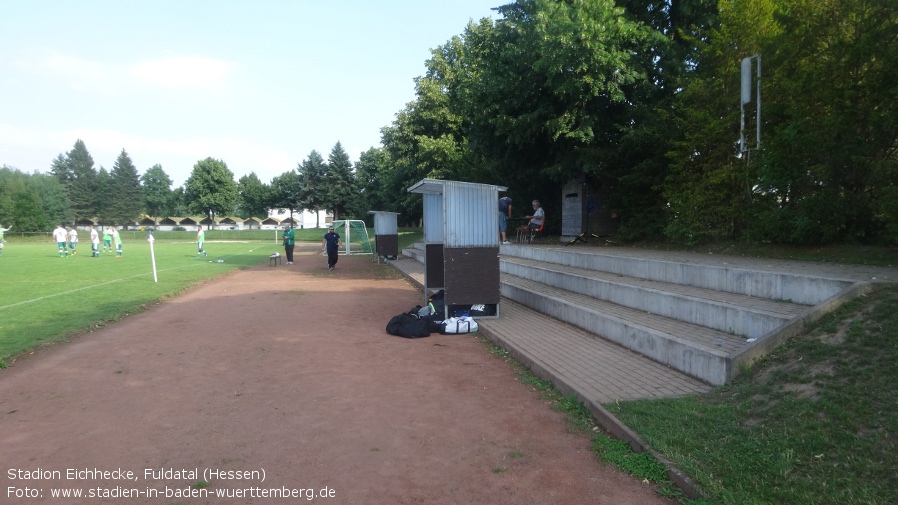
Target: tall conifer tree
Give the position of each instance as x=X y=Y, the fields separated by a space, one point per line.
x=339 y=181
x=311 y=176
x=125 y=197
x=83 y=185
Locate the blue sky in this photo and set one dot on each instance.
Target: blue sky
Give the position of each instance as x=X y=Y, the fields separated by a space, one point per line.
x=256 y=84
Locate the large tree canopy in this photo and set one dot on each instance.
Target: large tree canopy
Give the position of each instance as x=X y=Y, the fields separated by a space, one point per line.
x=156 y=186
x=253 y=196
x=287 y=192
x=210 y=190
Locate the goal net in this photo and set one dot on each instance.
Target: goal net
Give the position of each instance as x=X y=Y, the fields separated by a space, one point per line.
x=354 y=236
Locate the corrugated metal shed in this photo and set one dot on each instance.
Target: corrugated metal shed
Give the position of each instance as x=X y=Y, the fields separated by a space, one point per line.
x=459 y=214
x=461 y=235
x=385 y=223
x=433 y=218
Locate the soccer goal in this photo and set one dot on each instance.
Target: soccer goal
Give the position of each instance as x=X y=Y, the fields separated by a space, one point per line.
x=354 y=235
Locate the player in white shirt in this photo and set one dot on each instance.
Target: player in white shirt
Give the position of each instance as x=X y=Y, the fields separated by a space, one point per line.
x=2 y=231
x=60 y=236
x=94 y=243
x=73 y=240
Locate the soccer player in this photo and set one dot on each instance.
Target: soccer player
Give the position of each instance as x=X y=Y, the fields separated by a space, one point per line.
x=73 y=240
x=60 y=235
x=94 y=243
x=118 y=242
x=107 y=238
x=200 y=240
x=2 y=231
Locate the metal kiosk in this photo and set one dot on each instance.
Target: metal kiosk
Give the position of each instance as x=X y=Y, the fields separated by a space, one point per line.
x=386 y=234
x=461 y=243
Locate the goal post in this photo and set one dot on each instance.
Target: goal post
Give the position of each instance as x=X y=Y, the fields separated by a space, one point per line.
x=354 y=235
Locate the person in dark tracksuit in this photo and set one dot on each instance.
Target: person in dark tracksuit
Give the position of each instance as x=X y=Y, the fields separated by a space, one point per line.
x=289 y=243
x=331 y=244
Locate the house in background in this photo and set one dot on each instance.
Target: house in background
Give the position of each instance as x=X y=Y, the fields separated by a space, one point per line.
x=304 y=219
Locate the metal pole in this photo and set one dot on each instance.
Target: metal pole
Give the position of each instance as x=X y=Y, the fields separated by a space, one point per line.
x=758 y=120
x=152 y=254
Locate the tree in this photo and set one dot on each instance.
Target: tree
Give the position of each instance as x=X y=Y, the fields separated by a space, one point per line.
x=831 y=122
x=20 y=202
x=29 y=214
x=104 y=202
x=253 y=196
x=125 y=197
x=82 y=187
x=286 y=192
x=178 y=204
x=156 y=191
x=311 y=178
x=61 y=170
x=528 y=101
x=53 y=197
x=339 y=182
x=211 y=189
x=370 y=173
x=10 y=183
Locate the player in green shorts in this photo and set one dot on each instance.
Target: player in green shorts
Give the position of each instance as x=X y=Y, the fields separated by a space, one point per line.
x=73 y=240
x=118 y=242
x=200 y=240
x=60 y=236
x=107 y=239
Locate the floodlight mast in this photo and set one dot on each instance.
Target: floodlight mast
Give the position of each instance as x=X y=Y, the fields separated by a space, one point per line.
x=746 y=98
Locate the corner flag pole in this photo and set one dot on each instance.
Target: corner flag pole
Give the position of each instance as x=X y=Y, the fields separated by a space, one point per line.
x=152 y=253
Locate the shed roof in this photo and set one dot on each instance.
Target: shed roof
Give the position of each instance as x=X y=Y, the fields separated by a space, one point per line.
x=435 y=186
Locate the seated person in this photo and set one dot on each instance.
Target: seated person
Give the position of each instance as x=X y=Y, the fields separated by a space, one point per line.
x=536 y=220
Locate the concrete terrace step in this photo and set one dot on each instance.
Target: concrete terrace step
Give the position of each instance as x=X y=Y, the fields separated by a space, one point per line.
x=415 y=252
x=706 y=316
x=728 y=312
x=594 y=368
x=798 y=287
x=695 y=350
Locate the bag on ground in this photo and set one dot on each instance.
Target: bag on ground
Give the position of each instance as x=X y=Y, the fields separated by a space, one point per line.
x=408 y=326
x=457 y=325
x=427 y=313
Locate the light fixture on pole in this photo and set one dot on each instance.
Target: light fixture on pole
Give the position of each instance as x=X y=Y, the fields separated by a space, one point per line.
x=747 y=98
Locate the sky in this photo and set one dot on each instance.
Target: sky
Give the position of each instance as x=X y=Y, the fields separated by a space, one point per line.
x=257 y=84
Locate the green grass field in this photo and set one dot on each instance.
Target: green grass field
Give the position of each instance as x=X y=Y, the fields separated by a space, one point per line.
x=45 y=298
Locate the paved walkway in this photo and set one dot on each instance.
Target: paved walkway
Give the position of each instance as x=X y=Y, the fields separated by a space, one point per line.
x=575 y=360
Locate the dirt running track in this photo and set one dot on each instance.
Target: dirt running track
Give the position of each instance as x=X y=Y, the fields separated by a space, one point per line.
x=288 y=371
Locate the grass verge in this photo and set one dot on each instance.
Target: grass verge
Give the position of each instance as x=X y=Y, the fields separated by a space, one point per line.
x=814 y=422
